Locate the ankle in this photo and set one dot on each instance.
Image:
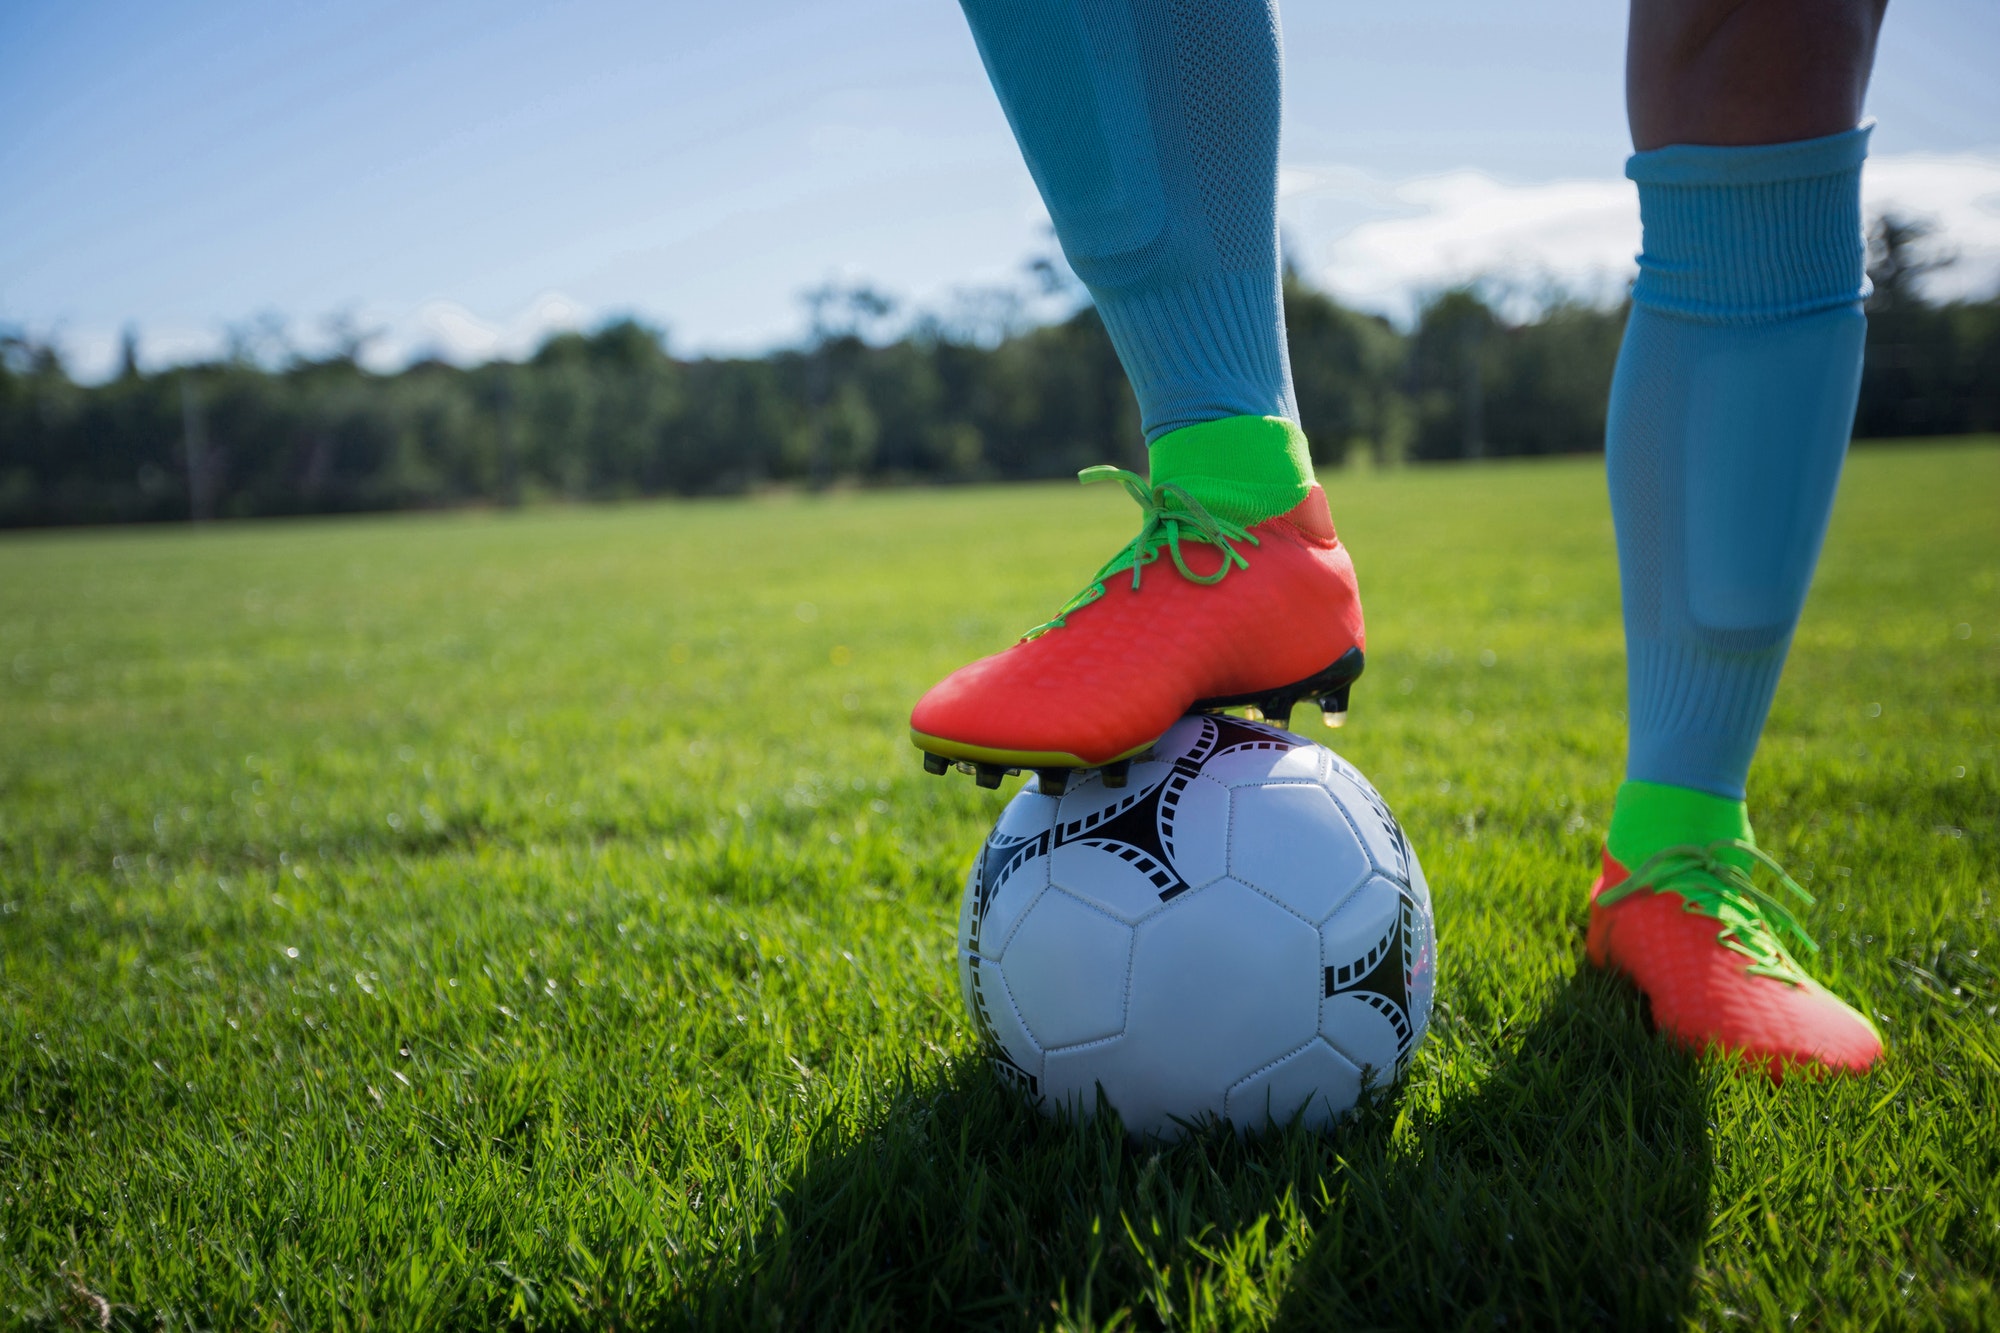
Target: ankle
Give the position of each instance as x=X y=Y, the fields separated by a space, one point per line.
x=1652 y=816
x=1244 y=469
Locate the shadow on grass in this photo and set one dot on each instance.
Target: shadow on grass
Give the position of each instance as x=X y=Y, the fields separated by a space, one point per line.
x=1563 y=1183
x=1567 y=1187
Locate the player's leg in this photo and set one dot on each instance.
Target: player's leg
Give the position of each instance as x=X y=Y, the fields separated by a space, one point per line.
x=1151 y=129
x=1730 y=412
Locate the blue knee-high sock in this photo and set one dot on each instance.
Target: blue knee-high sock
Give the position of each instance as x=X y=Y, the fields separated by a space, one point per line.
x=1730 y=412
x=1151 y=129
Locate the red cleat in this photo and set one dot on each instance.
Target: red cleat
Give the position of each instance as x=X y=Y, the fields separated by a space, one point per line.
x=1701 y=941
x=1195 y=613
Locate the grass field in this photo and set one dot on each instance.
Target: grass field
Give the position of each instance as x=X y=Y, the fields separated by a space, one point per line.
x=541 y=920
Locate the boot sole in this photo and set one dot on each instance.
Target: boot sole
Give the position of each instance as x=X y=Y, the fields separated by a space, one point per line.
x=1329 y=688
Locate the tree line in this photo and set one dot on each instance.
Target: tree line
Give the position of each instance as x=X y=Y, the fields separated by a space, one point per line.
x=613 y=413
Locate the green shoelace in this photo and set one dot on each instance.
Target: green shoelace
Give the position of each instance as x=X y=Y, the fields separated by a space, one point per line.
x=1725 y=890
x=1172 y=516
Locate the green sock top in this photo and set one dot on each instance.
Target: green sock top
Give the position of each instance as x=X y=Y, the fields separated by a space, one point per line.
x=1245 y=469
x=1652 y=816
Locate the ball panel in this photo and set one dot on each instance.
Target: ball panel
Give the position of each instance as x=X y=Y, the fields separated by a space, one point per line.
x=1027 y=814
x=1368 y=1030
x=1339 y=767
x=1181 y=739
x=1196 y=740
x=1358 y=939
x=1366 y=948
x=1378 y=829
x=1121 y=879
x=1070 y=1083
x=1282 y=757
x=1222 y=984
x=1317 y=1083
x=1088 y=805
x=1008 y=1041
x=1194 y=819
x=1066 y=968
x=1007 y=877
x=1293 y=842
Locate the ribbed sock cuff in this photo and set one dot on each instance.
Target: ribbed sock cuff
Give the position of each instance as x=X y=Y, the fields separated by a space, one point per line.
x=1697 y=710
x=1202 y=350
x=1244 y=468
x=1650 y=817
x=1752 y=234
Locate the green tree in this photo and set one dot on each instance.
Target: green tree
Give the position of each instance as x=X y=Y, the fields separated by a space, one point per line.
x=1346 y=373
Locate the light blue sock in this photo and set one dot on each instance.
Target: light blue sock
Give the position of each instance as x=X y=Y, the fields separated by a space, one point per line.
x=1151 y=129
x=1730 y=413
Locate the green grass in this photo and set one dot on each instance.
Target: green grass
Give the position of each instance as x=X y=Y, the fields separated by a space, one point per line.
x=541 y=920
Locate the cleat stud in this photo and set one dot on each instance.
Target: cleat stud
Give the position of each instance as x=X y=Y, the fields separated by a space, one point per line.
x=1333 y=719
x=1115 y=774
x=1252 y=713
x=1054 y=781
x=936 y=763
x=1335 y=701
x=988 y=775
x=965 y=766
x=1278 y=711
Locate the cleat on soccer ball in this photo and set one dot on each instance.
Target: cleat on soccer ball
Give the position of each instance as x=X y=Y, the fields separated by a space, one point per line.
x=1701 y=940
x=1195 y=614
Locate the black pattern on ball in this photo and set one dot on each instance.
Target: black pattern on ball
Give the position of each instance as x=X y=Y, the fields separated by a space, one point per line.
x=1381 y=977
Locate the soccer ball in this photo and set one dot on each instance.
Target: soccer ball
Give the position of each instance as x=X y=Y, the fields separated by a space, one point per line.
x=1241 y=932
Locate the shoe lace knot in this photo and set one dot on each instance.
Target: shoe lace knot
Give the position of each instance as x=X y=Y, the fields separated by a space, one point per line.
x=1716 y=882
x=1171 y=516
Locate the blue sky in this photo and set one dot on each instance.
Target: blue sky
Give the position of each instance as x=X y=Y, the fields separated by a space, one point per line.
x=465 y=177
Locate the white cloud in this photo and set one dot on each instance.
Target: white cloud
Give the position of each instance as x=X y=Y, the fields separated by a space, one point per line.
x=449 y=331
x=443 y=329
x=1960 y=192
x=1467 y=224
x=1379 y=242
x=1383 y=243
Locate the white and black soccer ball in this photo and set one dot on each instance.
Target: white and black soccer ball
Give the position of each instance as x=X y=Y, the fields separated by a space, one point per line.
x=1242 y=931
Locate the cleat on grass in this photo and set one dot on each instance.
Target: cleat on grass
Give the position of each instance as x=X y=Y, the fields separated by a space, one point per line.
x=1703 y=942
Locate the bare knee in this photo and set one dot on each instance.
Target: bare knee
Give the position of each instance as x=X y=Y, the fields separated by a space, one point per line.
x=1747 y=71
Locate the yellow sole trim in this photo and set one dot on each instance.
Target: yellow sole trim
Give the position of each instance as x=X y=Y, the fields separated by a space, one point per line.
x=983 y=754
